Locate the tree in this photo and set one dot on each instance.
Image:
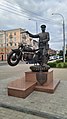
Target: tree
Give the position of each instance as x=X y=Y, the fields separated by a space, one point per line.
x=66 y=53
x=60 y=53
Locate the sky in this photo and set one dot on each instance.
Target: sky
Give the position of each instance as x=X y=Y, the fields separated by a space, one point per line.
x=31 y=14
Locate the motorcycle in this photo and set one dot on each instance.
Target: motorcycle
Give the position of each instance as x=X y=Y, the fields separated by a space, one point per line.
x=17 y=55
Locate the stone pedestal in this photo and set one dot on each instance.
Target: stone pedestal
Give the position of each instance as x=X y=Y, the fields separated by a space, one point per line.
x=31 y=76
x=24 y=86
x=21 y=88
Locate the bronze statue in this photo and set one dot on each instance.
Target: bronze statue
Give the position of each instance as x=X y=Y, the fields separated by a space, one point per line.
x=43 y=44
x=42 y=55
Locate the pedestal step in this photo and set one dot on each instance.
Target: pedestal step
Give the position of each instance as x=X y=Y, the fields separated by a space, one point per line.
x=23 y=87
x=20 y=88
x=49 y=88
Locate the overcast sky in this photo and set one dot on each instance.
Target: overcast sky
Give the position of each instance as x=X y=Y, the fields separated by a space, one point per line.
x=27 y=13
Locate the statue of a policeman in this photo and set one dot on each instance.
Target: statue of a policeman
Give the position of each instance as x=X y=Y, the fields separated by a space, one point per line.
x=43 y=44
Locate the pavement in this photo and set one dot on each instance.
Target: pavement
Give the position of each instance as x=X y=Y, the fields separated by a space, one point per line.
x=6 y=113
x=3 y=63
x=38 y=105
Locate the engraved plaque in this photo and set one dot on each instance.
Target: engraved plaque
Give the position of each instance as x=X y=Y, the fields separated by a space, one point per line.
x=41 y=77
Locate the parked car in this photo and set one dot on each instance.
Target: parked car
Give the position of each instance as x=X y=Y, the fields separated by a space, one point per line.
x=52 y=58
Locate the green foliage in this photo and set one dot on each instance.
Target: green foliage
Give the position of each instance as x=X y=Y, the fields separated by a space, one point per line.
x=66 y=53
x=65 y=65
x=52 y=64
x=58 y=61
x=66 y=59
x=60 y=53
x=58 y=64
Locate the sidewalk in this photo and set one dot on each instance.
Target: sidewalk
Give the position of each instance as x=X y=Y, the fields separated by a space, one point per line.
x=3 y=62
x=41 y=104
x=6 y=113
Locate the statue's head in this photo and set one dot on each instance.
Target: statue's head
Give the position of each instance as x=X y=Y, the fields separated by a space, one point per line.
x=43 y=27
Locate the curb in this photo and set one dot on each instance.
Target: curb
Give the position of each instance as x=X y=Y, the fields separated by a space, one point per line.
x=32 y=112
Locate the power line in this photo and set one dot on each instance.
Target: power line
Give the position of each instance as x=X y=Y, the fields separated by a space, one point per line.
x=8 y=10
x=27 y=16
x=19 y=14
x=28 y=11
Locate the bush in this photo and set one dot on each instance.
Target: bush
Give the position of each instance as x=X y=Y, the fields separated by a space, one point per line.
x=66 y=60
x=58 y=61
x=65 y=65
x=62 y=65
x=58 y=64
x=52 y=64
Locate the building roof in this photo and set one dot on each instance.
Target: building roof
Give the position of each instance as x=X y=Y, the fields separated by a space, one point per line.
x=15 y=29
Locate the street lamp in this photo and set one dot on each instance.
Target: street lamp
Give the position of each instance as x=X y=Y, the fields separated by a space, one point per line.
x=63 y=23
x=5 y=45
x=36 y=25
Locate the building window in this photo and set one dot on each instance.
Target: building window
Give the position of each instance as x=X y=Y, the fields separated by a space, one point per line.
x=1 y=35
x=10 y=39
x=15 y=44
x=10 y=44
x=14 y=38
x=10 y=36
x=24 y=36
x=1 y=41
x=1 y=50
x=30 y=39
x=1 y=45
x=10 y=33
x=14 y=33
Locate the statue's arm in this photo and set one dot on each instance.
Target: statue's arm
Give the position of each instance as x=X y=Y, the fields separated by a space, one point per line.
x=33 y=36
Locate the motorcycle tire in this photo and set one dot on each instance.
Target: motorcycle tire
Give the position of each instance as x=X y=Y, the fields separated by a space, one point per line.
x=9 y=58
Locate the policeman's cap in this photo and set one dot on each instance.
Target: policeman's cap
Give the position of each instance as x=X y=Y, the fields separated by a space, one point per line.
x=43 y=26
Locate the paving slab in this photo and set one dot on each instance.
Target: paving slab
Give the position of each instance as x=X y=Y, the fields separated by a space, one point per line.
x=52 y=106
x=12 y=114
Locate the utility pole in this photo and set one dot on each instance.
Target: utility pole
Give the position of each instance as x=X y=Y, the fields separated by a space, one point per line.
x=5 y=45
x=36 y=24
x=63 y=24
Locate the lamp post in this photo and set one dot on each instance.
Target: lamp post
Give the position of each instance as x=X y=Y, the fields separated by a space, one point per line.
x=63 y=23
x=5 y=45
x=36 y=25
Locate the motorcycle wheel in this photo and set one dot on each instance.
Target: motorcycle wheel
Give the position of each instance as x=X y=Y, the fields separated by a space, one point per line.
x=13 y=58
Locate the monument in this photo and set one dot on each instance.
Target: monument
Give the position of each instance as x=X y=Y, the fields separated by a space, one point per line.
x=40 y=78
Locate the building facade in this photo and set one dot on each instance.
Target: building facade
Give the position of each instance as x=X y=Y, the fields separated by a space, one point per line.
x=52 y=52
x=2 y=45
x=10 y=39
